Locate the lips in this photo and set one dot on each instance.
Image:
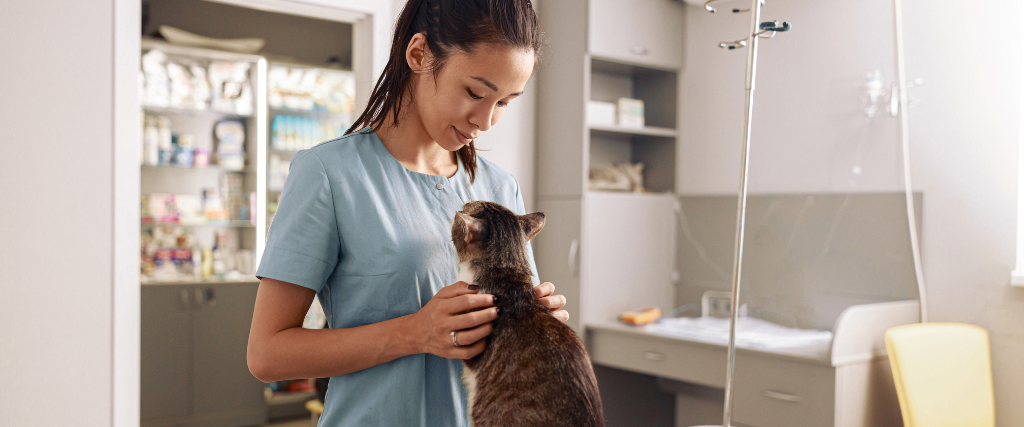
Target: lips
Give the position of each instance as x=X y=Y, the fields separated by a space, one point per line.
x=465 y=139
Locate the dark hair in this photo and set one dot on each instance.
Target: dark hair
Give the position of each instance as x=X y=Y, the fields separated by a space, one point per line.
x=448 y=25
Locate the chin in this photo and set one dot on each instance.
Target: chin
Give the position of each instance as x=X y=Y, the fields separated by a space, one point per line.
x=450 y=145
x=450 y=140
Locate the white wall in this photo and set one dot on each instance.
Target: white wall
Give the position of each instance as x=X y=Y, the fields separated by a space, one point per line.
x=56 y=223
x=807 y=122
x=808 y=112
x=965 y=145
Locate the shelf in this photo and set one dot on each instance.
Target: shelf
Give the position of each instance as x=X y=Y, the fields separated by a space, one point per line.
x=221 y=224
x=629 y=194
x=190 y=111
x=211 y=281
x=281 y=151
x=621 y=66
x=287 y=404
x=275 y=111
x=647 y=130
x=190 y=168
x=285 y=397
x=197 y=52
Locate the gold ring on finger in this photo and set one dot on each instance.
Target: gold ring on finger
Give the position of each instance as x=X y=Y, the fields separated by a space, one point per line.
x=455 y=338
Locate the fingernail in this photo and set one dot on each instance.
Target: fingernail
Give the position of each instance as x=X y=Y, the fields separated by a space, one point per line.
x=473 y=287
x=499 y=310
x=494 y=300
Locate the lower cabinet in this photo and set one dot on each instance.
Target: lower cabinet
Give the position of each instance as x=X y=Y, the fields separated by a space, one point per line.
x=193 y=366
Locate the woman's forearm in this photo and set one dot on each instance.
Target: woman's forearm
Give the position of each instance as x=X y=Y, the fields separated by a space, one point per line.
x=280 y=349
x=317 y=353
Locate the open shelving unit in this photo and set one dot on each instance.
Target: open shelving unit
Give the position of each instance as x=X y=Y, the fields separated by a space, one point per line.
x=194 y=330
x=609 y=251
x=199 y=123
x=653 y=145
x=318 y=121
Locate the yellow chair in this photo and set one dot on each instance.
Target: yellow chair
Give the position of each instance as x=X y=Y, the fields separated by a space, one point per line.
x=943 y=374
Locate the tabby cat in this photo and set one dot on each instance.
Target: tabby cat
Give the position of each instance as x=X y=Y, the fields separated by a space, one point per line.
x=535 y=371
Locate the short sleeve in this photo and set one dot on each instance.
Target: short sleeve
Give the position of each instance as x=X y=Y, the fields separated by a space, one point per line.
x=520 y=209
x=303 y=244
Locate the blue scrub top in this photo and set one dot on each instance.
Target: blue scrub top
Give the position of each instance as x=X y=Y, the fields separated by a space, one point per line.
x=373 y=239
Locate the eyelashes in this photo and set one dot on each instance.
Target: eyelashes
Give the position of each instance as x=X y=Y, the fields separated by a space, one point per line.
x=478 y=97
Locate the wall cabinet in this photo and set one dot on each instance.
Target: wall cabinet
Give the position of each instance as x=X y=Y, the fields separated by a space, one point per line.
x=639 y=31
x=194 y=369
x=556 y=250
x=629 y=260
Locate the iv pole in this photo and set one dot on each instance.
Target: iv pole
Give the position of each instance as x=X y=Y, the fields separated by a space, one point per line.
x=757 y=30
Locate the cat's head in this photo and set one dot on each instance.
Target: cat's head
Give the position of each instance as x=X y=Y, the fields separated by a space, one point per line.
x=489 y=229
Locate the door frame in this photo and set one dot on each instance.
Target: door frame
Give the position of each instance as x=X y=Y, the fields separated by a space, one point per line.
x=371 y=22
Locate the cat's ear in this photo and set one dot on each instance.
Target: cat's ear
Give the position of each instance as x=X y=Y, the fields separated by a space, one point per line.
x=532 y=224
x=473 y=227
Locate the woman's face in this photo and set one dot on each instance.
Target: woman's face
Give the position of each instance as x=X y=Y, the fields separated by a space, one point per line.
x=470 y=93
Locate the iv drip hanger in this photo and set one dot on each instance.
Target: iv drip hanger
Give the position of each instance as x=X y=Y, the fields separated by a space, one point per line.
x=758 y=30
x=766 y=27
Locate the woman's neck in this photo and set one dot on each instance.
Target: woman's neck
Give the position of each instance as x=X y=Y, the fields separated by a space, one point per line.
x=412 y=146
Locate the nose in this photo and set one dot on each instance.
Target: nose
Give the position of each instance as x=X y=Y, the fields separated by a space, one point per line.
x=482 y=117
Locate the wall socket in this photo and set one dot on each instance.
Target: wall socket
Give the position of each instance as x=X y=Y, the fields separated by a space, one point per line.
x=719 y=304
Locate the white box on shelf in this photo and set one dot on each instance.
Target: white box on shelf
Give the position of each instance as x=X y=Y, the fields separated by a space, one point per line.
x=600 y=113
x=631 y=113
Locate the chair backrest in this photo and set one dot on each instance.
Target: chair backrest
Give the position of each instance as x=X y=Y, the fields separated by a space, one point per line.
x=943 y=374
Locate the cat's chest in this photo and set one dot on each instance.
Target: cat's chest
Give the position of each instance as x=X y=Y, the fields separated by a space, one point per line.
x=466 y=273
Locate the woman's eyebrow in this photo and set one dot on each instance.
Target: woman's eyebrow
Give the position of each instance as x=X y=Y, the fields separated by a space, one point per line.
x=484 y=81
x=492 y=85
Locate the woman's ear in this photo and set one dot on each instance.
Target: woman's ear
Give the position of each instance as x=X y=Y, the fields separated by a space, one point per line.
x=532 y=224
x=417 y=54
x=473 y=227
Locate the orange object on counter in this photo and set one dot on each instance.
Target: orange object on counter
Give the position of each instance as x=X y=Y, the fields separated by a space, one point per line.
x=641 y=316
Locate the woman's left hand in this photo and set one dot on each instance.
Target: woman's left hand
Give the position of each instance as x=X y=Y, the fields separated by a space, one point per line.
x=553 y=302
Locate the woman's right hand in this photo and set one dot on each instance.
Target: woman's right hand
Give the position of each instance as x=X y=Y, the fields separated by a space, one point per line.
x=449 y=311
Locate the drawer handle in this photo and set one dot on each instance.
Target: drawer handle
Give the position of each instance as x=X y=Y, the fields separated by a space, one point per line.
x=198 y=293
x=655 y=356
x=184 y=300
x=785 y=397
x=638 y=50
x=574 y=249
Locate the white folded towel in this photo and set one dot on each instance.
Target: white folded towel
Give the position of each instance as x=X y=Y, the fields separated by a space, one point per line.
x=750 y=332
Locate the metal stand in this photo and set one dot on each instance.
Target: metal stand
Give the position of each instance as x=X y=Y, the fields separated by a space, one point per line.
x=758 y=30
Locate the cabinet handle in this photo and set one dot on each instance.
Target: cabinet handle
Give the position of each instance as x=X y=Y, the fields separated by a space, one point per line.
x=184 y=299
x=198 y=294
x=638 y=50
x=785 y=397
x=211 y=298
x=653 y=355
x=574 y=250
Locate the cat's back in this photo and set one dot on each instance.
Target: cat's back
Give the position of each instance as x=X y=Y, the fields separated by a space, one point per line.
x=536 y=372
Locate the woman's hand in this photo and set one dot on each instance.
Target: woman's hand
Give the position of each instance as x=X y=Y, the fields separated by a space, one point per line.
x=447 y=312
x=553 y=302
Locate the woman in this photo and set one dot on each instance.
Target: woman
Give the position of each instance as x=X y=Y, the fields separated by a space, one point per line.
x=364 y=223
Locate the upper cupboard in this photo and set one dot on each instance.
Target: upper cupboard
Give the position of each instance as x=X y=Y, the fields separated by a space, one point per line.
x=647 y=32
